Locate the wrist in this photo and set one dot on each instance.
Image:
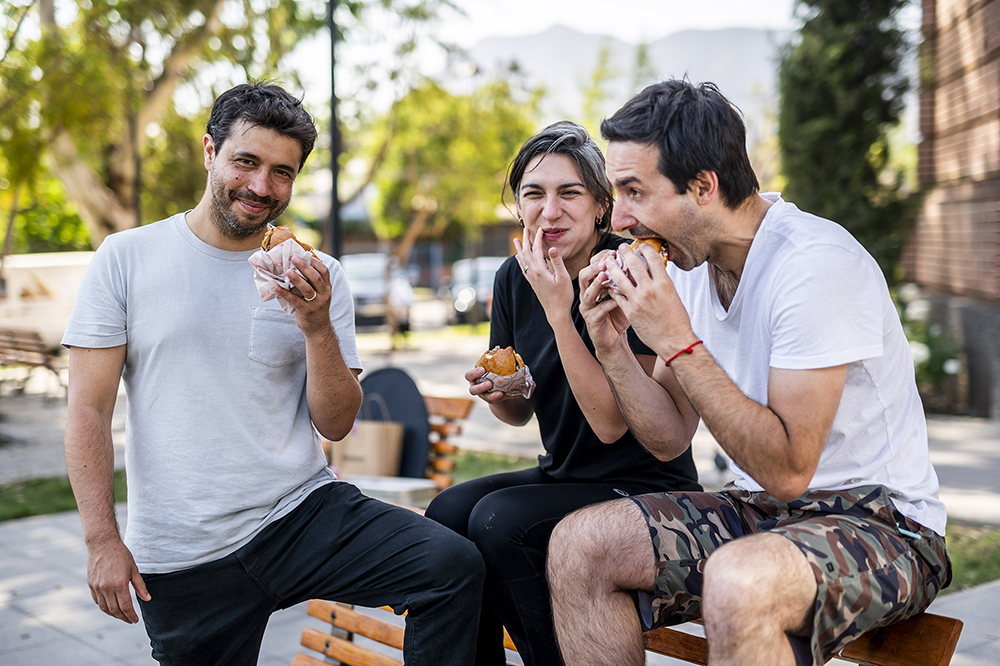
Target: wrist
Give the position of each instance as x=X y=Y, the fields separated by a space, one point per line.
x=686 y=351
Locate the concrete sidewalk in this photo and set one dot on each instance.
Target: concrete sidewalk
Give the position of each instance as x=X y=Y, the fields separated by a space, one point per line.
x=48 y=617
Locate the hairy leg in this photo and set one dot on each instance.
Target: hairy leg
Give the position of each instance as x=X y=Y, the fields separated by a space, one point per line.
x=597 y=556
x=758 y=590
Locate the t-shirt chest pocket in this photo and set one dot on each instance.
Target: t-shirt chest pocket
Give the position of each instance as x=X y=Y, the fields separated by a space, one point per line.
x=275 y=340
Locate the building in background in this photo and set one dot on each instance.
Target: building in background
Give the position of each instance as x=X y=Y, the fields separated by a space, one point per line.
x=954 y=252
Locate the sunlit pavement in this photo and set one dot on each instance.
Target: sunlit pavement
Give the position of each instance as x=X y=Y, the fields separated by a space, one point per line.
x=47 y=615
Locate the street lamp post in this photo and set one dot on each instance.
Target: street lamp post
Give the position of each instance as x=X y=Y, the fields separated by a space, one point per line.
x=334 y=222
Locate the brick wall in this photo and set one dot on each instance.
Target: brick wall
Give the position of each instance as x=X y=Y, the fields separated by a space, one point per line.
x=954 y=252
x=955 y=248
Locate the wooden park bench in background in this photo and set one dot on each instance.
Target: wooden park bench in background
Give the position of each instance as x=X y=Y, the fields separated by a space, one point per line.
x=26 y=349
x=444 y=417
x=923 y=640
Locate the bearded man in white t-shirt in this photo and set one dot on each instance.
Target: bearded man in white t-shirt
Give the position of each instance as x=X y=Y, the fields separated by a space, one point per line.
x=776 y=328
x=232 y=511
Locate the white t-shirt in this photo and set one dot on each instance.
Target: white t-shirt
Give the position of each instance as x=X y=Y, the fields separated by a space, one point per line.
x=219 y=442
x=811 y=296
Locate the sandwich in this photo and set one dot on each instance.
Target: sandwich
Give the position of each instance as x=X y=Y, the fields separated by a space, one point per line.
x=275 y=236
x=657 y=244
x=503 y=362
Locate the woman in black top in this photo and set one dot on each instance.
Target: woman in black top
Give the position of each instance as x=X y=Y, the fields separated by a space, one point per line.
x=564 y=202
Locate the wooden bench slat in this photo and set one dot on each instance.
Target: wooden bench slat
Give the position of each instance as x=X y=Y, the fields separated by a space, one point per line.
x=26 y=348
x=677 y=644
x=345 y=651
x=355 y=622
x=923 y=639
x=454 y=409
x=447 y=429
x=305 y=660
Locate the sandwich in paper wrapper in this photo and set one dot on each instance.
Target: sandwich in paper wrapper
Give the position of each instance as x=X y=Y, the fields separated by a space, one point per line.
x=505 y=368
x=655 y=243
x=271 y=261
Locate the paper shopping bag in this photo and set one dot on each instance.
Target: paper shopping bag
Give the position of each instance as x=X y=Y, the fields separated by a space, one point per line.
x=373 y=448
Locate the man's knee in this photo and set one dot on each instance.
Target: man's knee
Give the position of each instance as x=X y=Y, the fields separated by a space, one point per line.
x=599 y=542
x=460 y=558
x=757 y=572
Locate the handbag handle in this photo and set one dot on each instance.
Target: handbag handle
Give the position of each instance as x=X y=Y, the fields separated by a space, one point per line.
x=366 y=410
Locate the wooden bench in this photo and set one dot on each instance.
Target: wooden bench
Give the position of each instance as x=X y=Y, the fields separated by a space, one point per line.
x=444 y=416
x=26 y=349
x=923 y=640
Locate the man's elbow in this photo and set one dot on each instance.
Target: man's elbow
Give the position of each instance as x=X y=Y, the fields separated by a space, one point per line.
x=789 y=488
x=337 y=426
x=610 y=435
x=670 y=449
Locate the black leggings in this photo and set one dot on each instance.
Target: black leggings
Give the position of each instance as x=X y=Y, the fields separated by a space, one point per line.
x=510 y=518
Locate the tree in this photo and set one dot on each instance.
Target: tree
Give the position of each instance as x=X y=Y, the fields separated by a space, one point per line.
x=87 y=88
x=444 y=169
x=841 y=88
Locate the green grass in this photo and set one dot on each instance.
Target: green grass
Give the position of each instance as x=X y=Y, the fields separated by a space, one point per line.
x=35 y=497
x=974 y=550
x=474 y=464
x=975 y=555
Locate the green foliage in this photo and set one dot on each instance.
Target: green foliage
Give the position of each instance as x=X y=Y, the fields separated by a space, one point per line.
x=446 y=157
x=173 y=171
x=105 y=74
x=48 y=223
x=842 y=90
x=595 y=94
x=937 y=357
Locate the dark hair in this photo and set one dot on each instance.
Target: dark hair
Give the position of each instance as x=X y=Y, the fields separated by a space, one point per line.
x=262 y=104
x=696 y=128
x=570 y=139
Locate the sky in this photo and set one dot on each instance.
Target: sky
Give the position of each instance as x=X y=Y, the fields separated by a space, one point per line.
x=629 y=20
x=633 y=21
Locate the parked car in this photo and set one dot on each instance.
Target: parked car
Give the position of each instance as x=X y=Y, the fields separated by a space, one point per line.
x=471 y=289
x=366 y=277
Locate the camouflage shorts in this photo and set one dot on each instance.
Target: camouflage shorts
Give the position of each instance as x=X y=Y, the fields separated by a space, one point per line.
x=869 y=574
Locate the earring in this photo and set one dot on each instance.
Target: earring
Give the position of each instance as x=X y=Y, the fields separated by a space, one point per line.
x=597 y=222
x=520 y=222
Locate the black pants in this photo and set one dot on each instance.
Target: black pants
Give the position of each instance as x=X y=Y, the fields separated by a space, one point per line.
x=510 y=518
x=338 y=545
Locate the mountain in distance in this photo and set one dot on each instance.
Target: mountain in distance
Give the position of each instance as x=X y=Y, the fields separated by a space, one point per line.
x=742 y=62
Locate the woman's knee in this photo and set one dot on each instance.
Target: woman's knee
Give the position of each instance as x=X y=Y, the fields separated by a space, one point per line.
x=497 y=525
x=451 y=508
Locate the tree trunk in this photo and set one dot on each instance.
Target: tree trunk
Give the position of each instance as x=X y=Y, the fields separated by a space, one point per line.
x=100 y=208
x=107 y=204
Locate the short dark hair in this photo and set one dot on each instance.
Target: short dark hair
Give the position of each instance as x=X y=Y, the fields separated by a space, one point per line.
x=262 y=104
x=571 y=139
x=696 y=128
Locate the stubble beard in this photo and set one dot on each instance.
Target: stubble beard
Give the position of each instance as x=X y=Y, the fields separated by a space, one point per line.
x=228 y=222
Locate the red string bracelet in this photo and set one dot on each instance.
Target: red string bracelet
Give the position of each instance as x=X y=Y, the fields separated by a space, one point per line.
x=688 y=350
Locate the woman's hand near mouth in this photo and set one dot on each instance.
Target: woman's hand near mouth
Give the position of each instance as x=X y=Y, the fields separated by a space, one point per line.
x=547 y=275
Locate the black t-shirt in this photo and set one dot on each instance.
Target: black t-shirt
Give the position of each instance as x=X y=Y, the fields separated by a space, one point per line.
x=573 y=451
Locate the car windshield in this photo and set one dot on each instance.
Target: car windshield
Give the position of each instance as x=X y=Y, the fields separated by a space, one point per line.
x=364 y=268
x=478 y=272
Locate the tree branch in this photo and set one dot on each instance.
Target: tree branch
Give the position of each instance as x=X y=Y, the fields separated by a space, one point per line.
x=12 y=37
x=174 y=68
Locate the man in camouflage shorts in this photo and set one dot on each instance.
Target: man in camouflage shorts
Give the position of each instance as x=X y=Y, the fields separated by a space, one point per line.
x=776 y=329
